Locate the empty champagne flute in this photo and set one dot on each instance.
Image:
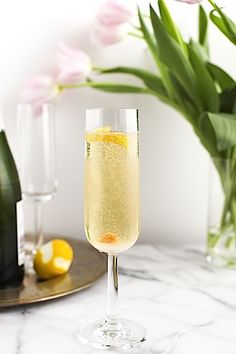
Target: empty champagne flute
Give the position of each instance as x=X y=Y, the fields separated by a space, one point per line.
x=111 y=212
x=37 y=166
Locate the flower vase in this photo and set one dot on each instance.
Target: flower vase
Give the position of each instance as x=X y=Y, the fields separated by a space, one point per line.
x=221 y=240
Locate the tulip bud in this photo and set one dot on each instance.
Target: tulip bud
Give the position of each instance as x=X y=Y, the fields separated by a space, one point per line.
x=73 y=65
x=39 y=90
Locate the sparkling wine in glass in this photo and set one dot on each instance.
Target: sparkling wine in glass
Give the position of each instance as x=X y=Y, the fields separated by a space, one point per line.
x=112 y=212
x=37 y=166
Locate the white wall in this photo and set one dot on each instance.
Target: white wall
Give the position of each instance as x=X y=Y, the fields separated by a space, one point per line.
x=174 y=165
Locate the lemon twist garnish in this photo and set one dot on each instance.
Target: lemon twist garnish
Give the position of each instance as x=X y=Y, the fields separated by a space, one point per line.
x=52 y=259
x=102 y=137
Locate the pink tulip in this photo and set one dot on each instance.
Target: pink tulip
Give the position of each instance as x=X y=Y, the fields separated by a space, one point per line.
x=114 y=12
x=191 y=1
x=103 y=35
x=39 y=90
x=112 y=22
x=74 y=65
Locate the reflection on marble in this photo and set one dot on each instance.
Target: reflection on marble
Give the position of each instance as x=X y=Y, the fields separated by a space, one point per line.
x=187 y=308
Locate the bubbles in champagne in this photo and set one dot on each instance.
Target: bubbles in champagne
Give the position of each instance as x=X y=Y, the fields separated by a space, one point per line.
x=112 y=190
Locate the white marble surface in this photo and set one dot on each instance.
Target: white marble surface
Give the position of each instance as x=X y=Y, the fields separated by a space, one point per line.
x=186 y=307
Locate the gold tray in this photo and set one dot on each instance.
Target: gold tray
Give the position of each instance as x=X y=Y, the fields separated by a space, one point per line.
x=87 y=267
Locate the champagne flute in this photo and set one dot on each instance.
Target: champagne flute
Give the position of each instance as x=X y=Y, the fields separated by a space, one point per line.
x=36 y=146
x=111 y=212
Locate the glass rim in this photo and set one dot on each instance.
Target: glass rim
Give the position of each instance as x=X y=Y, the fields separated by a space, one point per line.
x=111 y=109
x=122 y=119
x=29 y=105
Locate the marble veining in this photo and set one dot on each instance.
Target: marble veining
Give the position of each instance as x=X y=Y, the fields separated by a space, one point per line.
x=186 y=306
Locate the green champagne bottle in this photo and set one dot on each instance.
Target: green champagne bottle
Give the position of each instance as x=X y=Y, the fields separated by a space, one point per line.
x=11 y=218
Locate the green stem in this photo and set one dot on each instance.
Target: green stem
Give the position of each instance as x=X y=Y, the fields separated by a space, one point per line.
x=143 y=90
x=136 y=35
x=113 y=87
x=226 y=168
x=212 y=3
x=108 y=86
x=227 y=196
x=146 y=16
x=137 y=28
x=227 y=175
x=74 y=86
x=98 y=68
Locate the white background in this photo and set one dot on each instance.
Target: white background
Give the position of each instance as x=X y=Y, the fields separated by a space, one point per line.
x=174 y=166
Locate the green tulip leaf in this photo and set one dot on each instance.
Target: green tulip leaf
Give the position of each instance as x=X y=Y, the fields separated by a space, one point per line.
x=152 y=81
x=203 y=26
x=228 y=100
x=148 y=37
x=184 y=100
x=171 y=55
x=170 y=25
x=118 y=88
x=224 y=126
x=153 y=49
x=206 y=86
x=224 y=23
x=199 y=49
x=220 y=76
x=207 y=136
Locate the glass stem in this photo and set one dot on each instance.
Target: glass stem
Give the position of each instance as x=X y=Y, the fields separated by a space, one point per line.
x=38 y=225
x=112 y=288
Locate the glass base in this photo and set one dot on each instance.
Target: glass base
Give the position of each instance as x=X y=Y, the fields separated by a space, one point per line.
x=221 y=247
x=29 y=260
x=108 y=334
x=217 y=259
